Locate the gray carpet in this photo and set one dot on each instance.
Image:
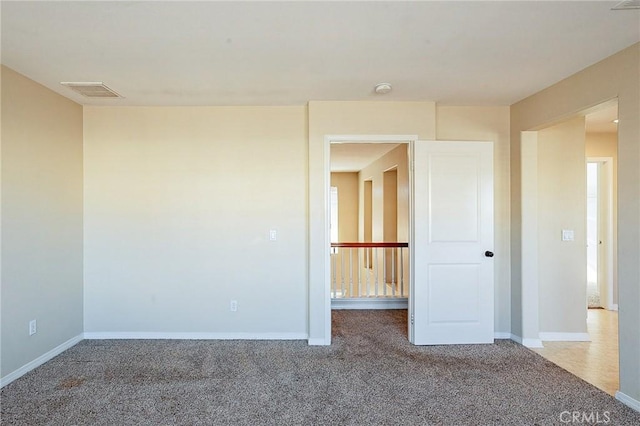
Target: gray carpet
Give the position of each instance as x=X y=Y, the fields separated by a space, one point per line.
x=370 y=375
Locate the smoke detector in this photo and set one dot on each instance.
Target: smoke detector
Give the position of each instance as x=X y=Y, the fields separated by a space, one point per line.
x=382 y=88
x=91 y=89
x=627 y=5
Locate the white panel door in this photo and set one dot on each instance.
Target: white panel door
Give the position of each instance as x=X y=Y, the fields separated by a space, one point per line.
x=452 y=246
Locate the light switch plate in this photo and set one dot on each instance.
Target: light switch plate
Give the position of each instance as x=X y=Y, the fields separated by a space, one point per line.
x=273 y=235
x=567 y=235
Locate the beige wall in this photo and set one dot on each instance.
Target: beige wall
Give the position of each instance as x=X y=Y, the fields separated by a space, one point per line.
x=466 y=123
x=41 y=220
x=562 y=268
x=602 y=145
x=179 y=202
x=592 y=86
x=606 y=145
x=398 y=157
x=347 y=184
x=346 y=118
x=374 y=172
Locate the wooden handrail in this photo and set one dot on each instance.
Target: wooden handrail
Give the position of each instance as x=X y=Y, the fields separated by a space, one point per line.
x=369 y=245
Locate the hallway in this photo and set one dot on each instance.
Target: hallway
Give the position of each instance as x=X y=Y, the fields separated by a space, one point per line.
x=595 y=362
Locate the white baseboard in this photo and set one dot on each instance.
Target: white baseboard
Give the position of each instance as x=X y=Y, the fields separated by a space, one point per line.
x=527 y=342
x=564 y=337
x=502 y=335
x=532 y=343
x=318 y=342
x=39 y=361
x=628 y=401
x=397 y=303
x=516 y=339
x=110 y=335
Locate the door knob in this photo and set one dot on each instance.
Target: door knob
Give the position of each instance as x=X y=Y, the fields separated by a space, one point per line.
x=488 y=253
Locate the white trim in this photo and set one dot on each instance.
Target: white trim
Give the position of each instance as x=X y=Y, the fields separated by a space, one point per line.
x=326 y=294
x=106 y=335
x=398 y=303
x=502 y=335
x=412 y=226
x=564 y=337
x=529 y=343
x=614 y=307
x=529 y=274
x=532 y=343
x=370 y=138
x=318 y=342
x=40 y=360
x=516 y=339
x=628 y=401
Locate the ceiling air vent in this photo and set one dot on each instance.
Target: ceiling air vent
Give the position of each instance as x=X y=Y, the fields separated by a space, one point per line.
x=91 y=89
x=627 y=5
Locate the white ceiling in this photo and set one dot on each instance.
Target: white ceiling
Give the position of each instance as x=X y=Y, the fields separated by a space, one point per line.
x=353 y=157
x=287 y=53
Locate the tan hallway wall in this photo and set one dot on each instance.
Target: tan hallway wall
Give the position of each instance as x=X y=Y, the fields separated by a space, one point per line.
x=375 y=172
x=398 y=158
x=347 y=184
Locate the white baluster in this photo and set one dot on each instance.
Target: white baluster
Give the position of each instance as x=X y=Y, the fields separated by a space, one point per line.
x=393 y=272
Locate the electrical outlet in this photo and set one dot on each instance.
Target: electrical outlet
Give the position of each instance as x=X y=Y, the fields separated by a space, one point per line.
x=233 y=306
x=33 y=327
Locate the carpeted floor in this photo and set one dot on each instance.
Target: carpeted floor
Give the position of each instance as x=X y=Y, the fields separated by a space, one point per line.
x=371 y=375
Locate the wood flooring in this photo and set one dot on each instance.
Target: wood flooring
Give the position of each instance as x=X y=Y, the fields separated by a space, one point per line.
x=595 y=362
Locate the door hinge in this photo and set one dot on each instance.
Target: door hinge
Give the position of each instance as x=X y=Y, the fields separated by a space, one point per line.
x=412 y=318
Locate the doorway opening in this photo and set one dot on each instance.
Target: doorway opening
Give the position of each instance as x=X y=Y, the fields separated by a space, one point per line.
x=600 y=226
x=369 y=262
x=593 y=240
x=369 y=258
x=575 y=168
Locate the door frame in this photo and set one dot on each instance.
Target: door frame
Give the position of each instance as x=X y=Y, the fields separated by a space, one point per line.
x=325 y=302
x=605 y=177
